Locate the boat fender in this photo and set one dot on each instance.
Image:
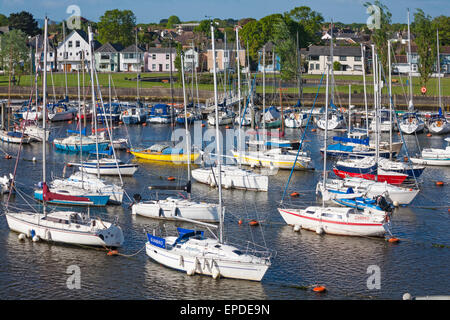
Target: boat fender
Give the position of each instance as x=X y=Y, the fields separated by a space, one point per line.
x=22 y=236
x=215 y=271
x=319 y=230
x=181 y=261
x=36 y=238
x=297 y=228
x=31 y=233
x=48 y=235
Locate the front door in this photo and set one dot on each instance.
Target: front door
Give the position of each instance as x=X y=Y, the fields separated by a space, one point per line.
x=160 y=67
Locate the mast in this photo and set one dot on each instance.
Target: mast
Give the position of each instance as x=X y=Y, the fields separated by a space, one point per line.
x=375 y=96
x=325 y=135
x=390 y=100
x=411 y=105
x=137 y=69
x=172 y=113
x=94 y=107
x=349 y=109
x=44 y=112
x=79 y=121
x=239 y=90
x=439 y=69
x=219 y=166
x=363 y=49
x=64 y=56
x=264 y=92
x=188 y=136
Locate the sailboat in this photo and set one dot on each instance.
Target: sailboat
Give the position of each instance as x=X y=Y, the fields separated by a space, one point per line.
x=192 y=252
x=62 y=226
x=233 y=176
x=335 y=220
x=438 y=124
x=5 y=183
x=434 y=156
x=173 y=207
x=410 y=122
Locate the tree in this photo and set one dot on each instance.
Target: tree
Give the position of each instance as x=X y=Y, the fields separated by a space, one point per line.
x=337 y=66
x=426 y=42
x=14 y=54
x=24 y=21
x=3 y=20
x=285 y=48
x=117 y=26
x=204 y=28
x=172 y=21
x=381 y=35
x=442 y=23
x=309 y=21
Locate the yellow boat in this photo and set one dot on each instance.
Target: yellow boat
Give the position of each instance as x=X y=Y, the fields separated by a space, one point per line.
x=164 y=153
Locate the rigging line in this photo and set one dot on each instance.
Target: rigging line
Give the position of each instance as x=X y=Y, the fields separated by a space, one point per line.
x=117 y=98
x=301 y=142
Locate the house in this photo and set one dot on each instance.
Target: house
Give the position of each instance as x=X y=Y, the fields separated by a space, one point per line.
x=37 y=44
x=400 y=64
x=272 y=61
x=107 y=57
x=132 y=59
x=158 y=59
x=191 y=59
x=347 y=58
x=224 y=58
x=73 y=53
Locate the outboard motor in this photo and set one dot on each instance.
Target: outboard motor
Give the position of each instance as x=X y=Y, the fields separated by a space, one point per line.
x=383 y=204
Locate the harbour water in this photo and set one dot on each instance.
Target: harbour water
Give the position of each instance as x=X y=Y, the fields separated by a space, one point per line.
x=418 y=264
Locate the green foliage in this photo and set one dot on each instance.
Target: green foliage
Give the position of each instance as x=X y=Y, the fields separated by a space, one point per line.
x=205 y=29
x=117 y=26
x=3 y=20
x=337 y=66
x=426 y=44
x=172 y=21
x=24 y=21
x=14 y=53
x=442 y=23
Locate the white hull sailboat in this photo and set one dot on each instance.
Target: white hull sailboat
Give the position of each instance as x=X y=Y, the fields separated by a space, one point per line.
x=337 y=188
x=274 y=159
x=63 y=226
x=66 y=227
x=205 y=256
x=192 y=252
x=335 y=220
x=232 y=177
x=107 y=167
x=171 y=208
x=434 y=156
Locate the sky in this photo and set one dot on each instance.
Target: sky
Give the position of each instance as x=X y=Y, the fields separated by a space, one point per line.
x=146 y=11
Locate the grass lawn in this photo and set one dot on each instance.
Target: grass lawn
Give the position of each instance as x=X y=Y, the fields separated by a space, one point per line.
x=399 y=86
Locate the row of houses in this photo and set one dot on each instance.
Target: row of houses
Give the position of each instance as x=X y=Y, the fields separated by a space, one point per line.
x=73 y=54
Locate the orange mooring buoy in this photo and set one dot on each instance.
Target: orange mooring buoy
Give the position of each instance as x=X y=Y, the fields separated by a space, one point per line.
x=203 y=125
x=439 y=183
x=405 y=159
x=393 y=240
x=319 y=289
x=240 y=220
x=171 y=178
x=113 y=253
x=8 y=156
x=429 y=135
x=313 y=130
x=295 y=194
x=253 y=223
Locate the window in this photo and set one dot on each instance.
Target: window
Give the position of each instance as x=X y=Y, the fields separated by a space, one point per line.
x=328 y=58
x=66 y=55
x=342 y=58
x=77 y=43
x=311 y=66
x=314 y=58
x=357 y=58
x=70 y=44
x=357 y=67
x=317 y=66
x=167 y=67
x=50 y=54
x=104 y=57
x=153 y=66
x=154 y=56
x=167 y=56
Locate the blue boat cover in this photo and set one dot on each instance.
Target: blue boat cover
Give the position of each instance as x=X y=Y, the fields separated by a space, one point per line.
x=172 y=151
x=108 y=152
x=83 y=132
x=352 y=140
x=156 y=241
x=340 y=147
